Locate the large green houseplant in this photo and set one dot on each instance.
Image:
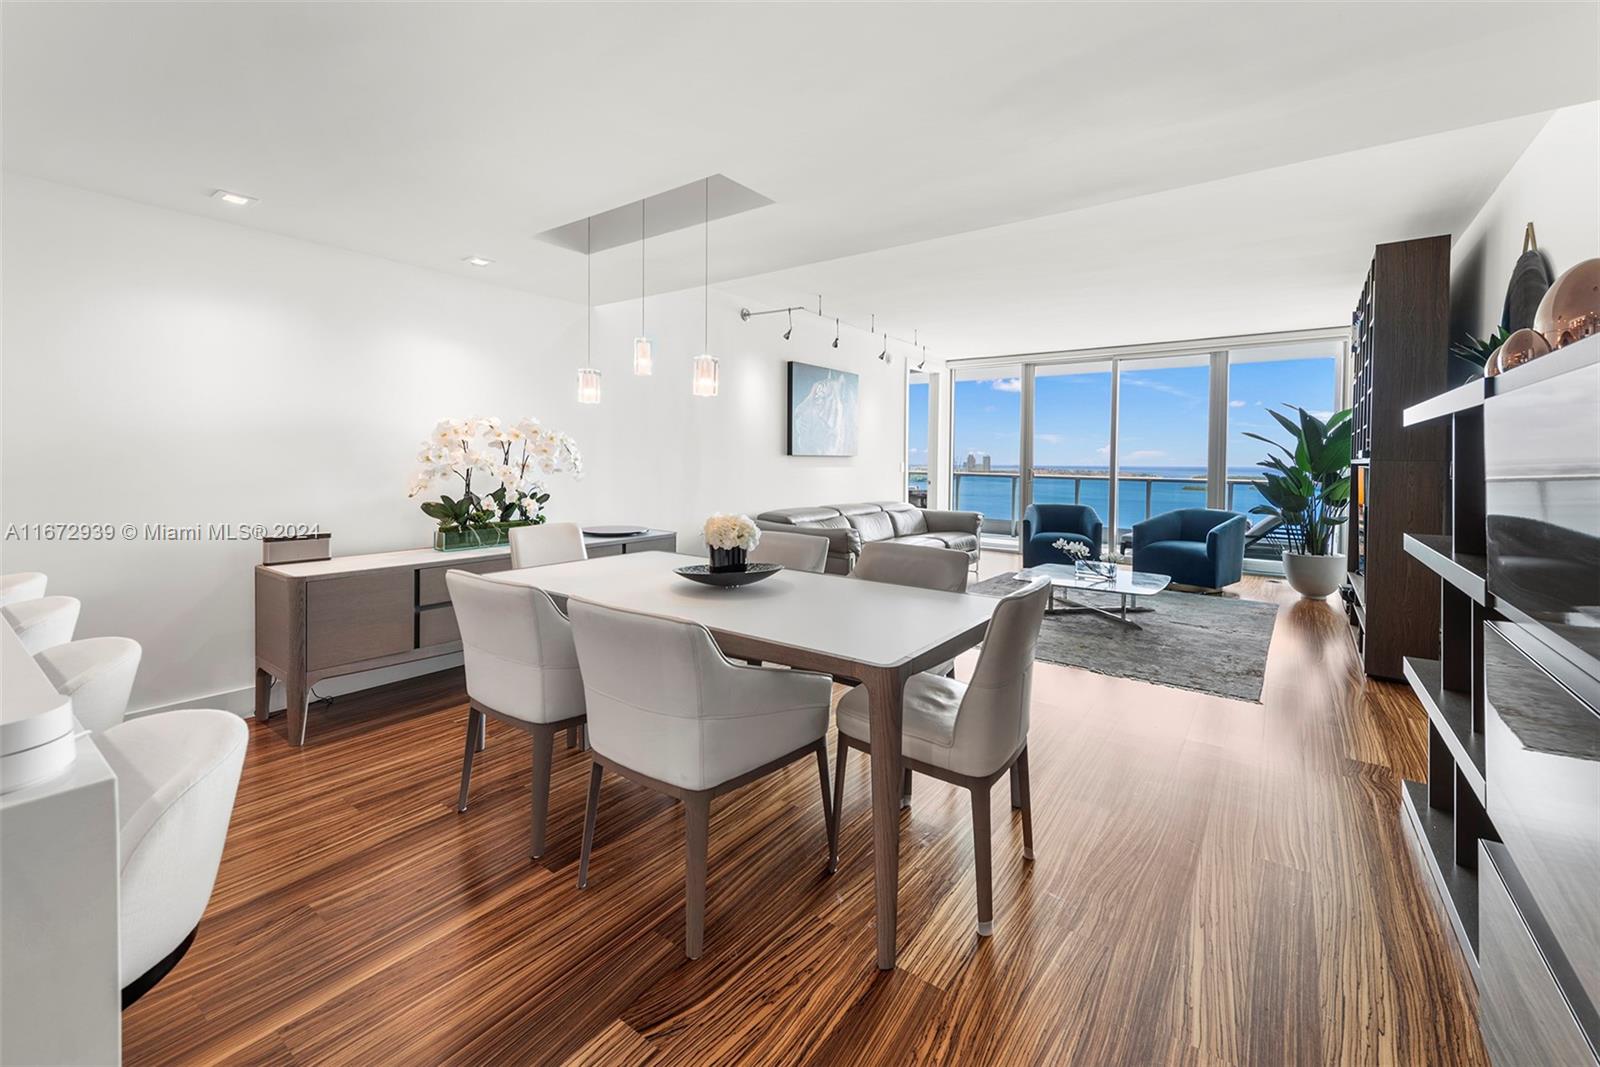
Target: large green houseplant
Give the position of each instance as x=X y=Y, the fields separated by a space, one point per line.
x=1308 y=489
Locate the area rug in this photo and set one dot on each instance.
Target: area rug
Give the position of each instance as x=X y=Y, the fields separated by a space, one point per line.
x=1213 y=644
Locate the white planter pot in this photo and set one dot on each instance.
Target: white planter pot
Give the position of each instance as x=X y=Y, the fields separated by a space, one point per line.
x=1314 y=576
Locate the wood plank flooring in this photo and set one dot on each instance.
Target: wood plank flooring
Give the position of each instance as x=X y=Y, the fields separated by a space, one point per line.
x=1217 y=883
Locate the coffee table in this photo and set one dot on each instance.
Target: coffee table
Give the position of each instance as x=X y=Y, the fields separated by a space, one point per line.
x=1126 y=585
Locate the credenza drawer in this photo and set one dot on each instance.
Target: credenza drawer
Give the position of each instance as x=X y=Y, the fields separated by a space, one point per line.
x=1526 y=1016
x=431 y=587
x=358 y=617
x=436 y=625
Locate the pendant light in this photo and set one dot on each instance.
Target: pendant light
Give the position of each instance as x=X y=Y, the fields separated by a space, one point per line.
x=641 y=344
x=705 y=364
x=588 y=377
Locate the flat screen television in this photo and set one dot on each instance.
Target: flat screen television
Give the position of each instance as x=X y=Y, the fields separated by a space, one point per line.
x=1542 y=497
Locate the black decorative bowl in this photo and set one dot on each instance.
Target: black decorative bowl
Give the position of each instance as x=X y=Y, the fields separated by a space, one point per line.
x=753 y=572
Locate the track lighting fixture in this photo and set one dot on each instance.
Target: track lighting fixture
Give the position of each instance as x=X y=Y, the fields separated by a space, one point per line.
x=746 y=315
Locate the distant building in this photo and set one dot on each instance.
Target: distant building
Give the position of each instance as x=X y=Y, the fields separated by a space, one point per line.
x=976 y=461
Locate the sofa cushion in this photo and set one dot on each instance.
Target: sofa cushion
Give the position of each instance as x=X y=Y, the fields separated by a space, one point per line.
x=920 y=540
x=873 y=525
x=856 y=509
x=961 y=542
x=803 y=516
x=906 y=518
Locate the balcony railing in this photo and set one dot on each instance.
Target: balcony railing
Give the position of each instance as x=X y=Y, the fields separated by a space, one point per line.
x=997 y=495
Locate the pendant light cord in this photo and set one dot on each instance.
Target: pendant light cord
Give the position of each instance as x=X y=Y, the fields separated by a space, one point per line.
x=588 y=289
x=705 y=326
x=641 y=268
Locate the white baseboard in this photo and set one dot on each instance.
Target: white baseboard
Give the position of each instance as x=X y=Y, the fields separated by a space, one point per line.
x=242 y=702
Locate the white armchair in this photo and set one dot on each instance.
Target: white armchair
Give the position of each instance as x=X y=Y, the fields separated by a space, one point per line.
x=22 y=585
x=43 y=622
x=97 y=673
x=669 y=711
x=548 y=542
x=969 y=733
x=521 y=670
x=177 y=773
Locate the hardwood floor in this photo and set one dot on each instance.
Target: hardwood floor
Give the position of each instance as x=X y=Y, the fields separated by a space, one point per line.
x=1217 y=883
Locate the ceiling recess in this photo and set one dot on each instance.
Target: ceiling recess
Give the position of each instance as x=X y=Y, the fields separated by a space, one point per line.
x=675 y=209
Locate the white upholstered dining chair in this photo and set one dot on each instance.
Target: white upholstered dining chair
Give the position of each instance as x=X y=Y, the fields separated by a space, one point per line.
x=797 y=552
x=21 y=585
x=522 y=670
x=548 y=542
x=43 y=622
x=177 y=774
x=97 y=673
x=667 y=710
x=968 y=733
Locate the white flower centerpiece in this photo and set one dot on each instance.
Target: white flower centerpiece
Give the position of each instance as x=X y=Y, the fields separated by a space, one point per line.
x=1081 y=563
x=511 y=462
x=729 y=537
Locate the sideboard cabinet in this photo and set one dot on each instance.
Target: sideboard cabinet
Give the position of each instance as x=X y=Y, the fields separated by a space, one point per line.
x=325 y=618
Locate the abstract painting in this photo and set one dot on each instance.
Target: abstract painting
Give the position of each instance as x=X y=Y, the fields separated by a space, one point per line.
x=822 y=411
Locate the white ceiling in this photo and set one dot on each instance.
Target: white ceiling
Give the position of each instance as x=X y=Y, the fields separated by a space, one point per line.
x=994 y=175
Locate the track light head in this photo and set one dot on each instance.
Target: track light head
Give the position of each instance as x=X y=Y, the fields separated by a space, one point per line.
x=835 y=333
x=790 y=331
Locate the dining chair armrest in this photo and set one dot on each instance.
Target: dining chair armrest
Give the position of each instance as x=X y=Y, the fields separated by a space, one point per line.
x=749 y=691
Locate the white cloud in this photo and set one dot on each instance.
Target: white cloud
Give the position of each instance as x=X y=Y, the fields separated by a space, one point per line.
x=1158 y=386
x=1007 y=385
x=1144 y=454
x=1236 y=403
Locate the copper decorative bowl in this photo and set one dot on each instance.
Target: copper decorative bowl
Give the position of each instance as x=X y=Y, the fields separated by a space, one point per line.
x=753 y=572
x=1570 y=310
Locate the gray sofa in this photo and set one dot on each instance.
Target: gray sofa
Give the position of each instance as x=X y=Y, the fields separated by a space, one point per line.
x=849 y=526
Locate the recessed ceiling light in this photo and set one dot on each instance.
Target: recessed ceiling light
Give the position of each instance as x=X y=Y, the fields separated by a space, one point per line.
x=477 y=261
x=236 y=199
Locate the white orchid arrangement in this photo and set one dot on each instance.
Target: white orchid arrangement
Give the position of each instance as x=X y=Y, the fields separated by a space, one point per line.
x=732 y=532
x=1075 y=549
x=514 y=458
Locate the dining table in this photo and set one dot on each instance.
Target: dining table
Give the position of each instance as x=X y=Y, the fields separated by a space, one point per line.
x=875 y=634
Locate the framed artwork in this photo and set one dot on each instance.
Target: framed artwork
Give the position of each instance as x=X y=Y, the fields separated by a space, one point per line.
x=822 y=410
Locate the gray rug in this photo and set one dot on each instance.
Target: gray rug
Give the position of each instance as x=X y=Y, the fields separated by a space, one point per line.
x=1213 y=644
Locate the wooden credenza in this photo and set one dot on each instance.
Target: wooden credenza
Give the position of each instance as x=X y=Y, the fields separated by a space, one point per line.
x=324 y=618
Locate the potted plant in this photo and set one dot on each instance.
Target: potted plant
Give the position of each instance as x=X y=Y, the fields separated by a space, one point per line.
x=730 y=537
x=513 y=459
x=1308 y=488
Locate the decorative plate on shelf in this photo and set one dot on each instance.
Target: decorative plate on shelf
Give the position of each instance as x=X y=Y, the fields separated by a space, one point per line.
x=614 y=531
x=753 y=572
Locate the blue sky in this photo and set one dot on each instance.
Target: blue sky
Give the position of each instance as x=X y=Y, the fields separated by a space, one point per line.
x=1163 y=414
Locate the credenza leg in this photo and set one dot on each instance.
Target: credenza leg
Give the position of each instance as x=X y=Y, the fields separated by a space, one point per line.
x=296 y=692
x=263 y=695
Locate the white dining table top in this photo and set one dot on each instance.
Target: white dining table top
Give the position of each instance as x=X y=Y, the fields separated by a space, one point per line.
x=871 y=623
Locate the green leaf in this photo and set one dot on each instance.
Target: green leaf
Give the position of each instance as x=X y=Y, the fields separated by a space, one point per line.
x=1270 y=441
x=436 y=510
x=1312 y=432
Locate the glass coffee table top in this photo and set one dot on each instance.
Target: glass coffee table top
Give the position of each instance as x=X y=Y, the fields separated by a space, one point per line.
x=1125 y=585
x=1126 y=582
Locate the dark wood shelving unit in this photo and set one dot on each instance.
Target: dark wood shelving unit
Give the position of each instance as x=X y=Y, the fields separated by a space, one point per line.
x=1399 y=337
x=1447 y=815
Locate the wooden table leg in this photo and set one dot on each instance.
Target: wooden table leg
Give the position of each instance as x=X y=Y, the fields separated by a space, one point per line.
x=885 y=695
x=295 y=689
x=263 y=695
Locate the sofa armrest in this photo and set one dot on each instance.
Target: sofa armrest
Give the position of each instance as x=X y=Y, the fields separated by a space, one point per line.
x=1164 y=527
x=842 y=540
x=953 y=521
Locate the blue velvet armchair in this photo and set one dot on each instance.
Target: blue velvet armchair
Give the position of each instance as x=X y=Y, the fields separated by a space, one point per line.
x=1195 y=546
x=1045 y=524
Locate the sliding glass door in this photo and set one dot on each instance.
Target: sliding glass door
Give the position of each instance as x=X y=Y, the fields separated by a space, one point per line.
x=986 y=445
x=1163 y=436
x=1071 y=462
x=918 y=412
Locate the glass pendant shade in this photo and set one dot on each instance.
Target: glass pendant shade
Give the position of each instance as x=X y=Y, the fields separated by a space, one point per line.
x=705 y=375
x=641 y=355
x=588 y=386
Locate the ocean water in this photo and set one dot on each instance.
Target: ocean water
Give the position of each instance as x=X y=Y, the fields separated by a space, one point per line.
x=1169 y=490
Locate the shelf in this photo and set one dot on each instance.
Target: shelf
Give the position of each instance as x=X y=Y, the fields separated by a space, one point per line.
x=1434 y=833
x=1451 y=714
x=1464 y=571
x=1358 y=582
x=1461 y=398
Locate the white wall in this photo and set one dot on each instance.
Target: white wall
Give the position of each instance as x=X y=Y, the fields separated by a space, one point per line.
x=1556 y=186
x=163 y=368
